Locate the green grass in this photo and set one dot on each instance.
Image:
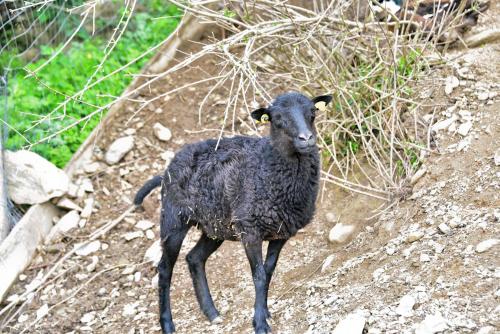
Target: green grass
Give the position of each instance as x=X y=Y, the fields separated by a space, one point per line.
x=68 y=73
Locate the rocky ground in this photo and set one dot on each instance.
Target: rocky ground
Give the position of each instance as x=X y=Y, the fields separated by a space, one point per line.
x=427 y=265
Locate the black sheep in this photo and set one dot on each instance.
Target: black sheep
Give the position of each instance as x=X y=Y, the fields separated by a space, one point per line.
x=241 y=188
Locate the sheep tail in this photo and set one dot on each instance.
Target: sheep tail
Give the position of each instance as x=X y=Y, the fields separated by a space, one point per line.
x=147 y=188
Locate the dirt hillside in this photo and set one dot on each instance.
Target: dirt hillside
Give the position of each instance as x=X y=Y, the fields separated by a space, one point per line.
x=422 y=263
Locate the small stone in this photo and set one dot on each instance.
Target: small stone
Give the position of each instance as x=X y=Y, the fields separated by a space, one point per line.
x=72 y=190
x=464 y=128
x=451 y=83
x=340 y=233
x=444 y=124
x=128 y=270
x=405 y=307
x=414 y=236
x=144 y=225
x=130 y=131
x=483 y=96
x=22 y=318
x=496 y=158
x=68 y=222
x=150 y=234
x=331 y=217
x=486 y=330
x=158 y=110
x=68 y=204
x=117 y=150
x=485 y=245
x=91 y=167
x=353 y=323
x=87 y=185
x=130 y=309
x=133 y=235
x=87 y=317
x=104 y=246
x=154 y=281
x=88 y=249
x=101 y=292
x=87 y=209
x=93 y=264
x=445 y=229
x=153 y=253
x=137 y=276
x=42 y=311
x=161 y=132
x=425 y=258
x=328 y=262
x=432 y=324
x=82 y=223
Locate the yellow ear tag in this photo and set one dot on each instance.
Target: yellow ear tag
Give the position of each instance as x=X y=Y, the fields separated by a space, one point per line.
x=321 y=105
x=264 y=119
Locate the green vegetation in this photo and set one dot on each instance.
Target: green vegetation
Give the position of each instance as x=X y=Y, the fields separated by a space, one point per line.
x=31 y=98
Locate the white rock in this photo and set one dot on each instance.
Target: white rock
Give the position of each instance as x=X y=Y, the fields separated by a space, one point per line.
x=414 y=236
x=42 y=311
x=144 y=225
x=154 y=281
x=445 y=229
x=444 y=124
x=137 y=276
x=451 y=83
x=153 y=253
x=167 y=155
x=88 y=249
x=87 y=209
x=464 y=128
x=486 y=330
x=31 y=179
x=150 y=234
x=133 y=235
x=117 y=150
x=130 y=309
x=432 y=324
x=405 y=307
x=92 y=265
x=87 y=317
x=496 y=158
x=485 y=245
x=92 y=167
x=483 y=96
x=87 y=185
x=425 y=258
x=328 y=262
x=68 y=204
x=22 y=318
x=161 y=132
x=353 y=323
x=331 y=217
x=340 y=233
x=68 y=222
x=130 y=131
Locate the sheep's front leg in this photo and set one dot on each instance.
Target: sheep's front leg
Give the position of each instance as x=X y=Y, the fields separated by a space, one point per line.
x=273 y=252
x=253 y=250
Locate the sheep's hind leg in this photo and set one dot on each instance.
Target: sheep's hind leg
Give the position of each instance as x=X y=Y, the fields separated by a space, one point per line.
x=171 y=247
x=196 y=260
x=273 y=252
x=253 y=250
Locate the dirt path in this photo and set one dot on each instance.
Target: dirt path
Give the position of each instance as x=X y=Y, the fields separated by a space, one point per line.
x=441 y=272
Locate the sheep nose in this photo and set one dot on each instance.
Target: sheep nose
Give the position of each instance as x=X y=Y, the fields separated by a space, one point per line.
x=305 y=136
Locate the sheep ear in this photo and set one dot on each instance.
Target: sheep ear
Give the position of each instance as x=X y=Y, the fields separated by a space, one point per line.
x=261 y=116
x=320 y=102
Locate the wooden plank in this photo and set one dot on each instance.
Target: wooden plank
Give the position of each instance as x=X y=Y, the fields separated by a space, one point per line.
x=17 y=250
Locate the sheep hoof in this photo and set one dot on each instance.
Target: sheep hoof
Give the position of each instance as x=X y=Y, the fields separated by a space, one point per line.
x=216 y=320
